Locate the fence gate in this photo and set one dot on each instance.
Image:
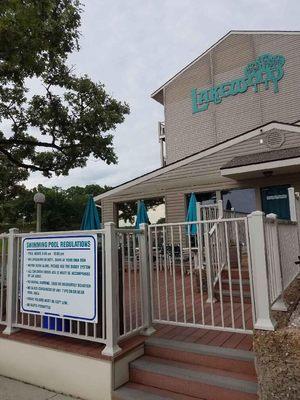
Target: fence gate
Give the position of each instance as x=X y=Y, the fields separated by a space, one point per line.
x=200 y=275
x=206 y=212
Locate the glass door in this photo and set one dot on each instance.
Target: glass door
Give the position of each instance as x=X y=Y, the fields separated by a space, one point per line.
x=275 y=199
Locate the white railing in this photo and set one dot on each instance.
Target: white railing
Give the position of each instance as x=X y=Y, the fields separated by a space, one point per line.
x=282 y=251
x=273 y=258
x=216 y=238
x=219 y=274
x=62 y=326
x=289 y=250
x=3 y=276
x=123 y=300
x=183 y=267
x=209 y=212
x=130 y=280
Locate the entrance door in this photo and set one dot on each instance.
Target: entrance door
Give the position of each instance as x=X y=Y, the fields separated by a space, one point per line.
x=275 y=199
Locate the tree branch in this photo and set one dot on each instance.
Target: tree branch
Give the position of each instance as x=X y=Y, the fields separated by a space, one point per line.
x=32 y=143
x=17 y=162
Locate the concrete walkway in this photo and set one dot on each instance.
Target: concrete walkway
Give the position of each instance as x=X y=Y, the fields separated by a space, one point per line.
x=15 y=390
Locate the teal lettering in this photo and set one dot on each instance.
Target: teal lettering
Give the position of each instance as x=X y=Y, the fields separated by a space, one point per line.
x=225 y=89
x=214 y=95
x=200 y=98
x=264 y=70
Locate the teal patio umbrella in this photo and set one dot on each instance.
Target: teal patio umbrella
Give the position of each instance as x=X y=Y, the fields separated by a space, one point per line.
x=192 y=215
x=90 y=218
x=142 y=216
x=91 y=221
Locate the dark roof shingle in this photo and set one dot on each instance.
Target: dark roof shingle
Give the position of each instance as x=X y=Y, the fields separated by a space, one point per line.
x=257 y=158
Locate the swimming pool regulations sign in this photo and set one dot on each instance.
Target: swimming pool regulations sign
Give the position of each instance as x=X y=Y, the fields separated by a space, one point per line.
x=59 y=276
x=267 y=69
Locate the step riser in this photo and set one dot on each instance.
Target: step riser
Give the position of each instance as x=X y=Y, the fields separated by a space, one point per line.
x=225 y=364
x=187 y=387
x=235 y=274
x=235 y=299
x=142 y=392
x=234 y=286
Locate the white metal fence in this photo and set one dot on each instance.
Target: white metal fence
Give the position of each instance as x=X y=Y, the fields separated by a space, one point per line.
x=289 y=250
x=282 y=251
x=130 y=281
x=219 y=274
x=273 y=259
x=200 y=276
x=58 y=325
x=209 y=212
x=3 y=276
x=122 y=282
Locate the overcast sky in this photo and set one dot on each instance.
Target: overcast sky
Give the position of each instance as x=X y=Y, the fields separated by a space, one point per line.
x=134 y=46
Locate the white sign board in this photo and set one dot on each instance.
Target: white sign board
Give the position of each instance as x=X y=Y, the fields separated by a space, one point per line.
x=59 y=276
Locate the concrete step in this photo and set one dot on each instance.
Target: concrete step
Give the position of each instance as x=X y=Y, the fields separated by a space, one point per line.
x=193 y=380
x=133 y=391
x=209 y=356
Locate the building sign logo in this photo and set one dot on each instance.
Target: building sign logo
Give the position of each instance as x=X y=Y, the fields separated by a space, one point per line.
x=266 y=69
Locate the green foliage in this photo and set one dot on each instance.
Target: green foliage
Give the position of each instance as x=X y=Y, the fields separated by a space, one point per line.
x=128 y=210
x=71 y=118
x=10 y=178
x=63 y=209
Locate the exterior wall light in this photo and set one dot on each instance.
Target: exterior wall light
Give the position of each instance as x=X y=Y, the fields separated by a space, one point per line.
x=39 y=199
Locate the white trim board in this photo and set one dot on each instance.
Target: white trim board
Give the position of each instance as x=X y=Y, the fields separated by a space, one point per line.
x=204 y=153
x=156 y=92
x=260 y=166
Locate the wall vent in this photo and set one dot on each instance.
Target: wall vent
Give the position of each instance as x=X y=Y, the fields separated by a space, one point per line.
x=275 y=139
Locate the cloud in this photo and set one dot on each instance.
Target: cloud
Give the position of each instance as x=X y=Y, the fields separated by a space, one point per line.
x=135 y=46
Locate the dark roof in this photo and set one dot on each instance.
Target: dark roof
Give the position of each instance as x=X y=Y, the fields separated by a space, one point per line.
x=257 y=158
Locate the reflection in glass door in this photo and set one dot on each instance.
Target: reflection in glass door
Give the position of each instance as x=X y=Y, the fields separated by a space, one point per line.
x=275 y=200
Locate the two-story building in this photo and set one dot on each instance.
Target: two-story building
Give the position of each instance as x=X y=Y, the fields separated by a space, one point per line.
x=230 y=130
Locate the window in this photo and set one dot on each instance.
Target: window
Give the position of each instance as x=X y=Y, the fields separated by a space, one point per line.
x=275 y=199
x=127 y=211
x=203 y=198
x=239 y=200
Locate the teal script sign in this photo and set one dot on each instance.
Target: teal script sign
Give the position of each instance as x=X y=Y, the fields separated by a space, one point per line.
x=265 y=69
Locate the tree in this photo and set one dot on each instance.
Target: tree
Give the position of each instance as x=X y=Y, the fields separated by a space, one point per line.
x=128 y=210
x=63 y=209
x=11 y=179
x=71 y=118
x=10 y=186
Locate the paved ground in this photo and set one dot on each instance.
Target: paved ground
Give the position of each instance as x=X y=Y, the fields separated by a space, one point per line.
x=15 y=390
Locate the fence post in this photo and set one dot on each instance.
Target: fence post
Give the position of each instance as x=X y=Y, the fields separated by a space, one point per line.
x=198 y=211
x=263 y=319
x=146 y=284
x=220 y=209
x=279 y=304
x=209 y=272
x=111 y=291
x=292 y=203
x=11 y=291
